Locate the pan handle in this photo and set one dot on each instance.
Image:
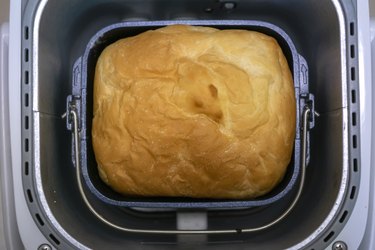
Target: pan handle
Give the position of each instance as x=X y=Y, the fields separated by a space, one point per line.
x=73 y=117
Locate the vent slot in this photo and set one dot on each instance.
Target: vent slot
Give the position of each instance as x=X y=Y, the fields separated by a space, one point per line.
x=351 y=29
x=26 y=77
x=39 y=219
x=26 y=100
x=26 y=122
x=352 y=73
x=26 y=145
x=352 y=51
x=29 y=195
x=343 y=216
x=352 y=193
x=329 y=236
x=53 y=237
x=354 y=141
x=26 y=33
x=26 y=55
x=355 y=165
x=354 y=119
x=26 y=168
x=354 y=99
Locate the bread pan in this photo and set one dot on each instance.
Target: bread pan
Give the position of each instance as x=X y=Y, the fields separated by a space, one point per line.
x=82 y=99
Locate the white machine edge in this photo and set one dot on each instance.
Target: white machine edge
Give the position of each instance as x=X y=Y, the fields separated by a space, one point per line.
x=358 y=219
x=25 y=222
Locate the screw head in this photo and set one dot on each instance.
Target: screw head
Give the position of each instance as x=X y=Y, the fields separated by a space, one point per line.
x=229 y=5
x=208 y=10
x=44 y=247
x=339 y=245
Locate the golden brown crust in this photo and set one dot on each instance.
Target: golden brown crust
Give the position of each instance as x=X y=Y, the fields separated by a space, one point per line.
x=193 y=111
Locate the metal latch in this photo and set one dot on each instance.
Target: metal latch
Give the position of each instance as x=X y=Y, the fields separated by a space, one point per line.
x=308 y=100
x=72 y=103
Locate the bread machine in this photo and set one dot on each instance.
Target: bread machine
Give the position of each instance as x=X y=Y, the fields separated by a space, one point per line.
x=41 y=193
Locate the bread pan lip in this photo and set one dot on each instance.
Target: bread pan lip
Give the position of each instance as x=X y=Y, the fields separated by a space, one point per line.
x=164 y=202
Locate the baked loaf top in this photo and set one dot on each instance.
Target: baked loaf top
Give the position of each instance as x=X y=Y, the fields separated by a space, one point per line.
x=195 y=112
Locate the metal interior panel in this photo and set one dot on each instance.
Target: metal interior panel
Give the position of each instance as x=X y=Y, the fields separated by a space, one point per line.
x=57 y=32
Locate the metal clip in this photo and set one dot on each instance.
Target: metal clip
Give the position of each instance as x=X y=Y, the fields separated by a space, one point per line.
x=309 y=101
x=71 y=104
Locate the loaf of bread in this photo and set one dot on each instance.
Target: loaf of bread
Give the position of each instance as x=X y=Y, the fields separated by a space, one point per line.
x=189 y=111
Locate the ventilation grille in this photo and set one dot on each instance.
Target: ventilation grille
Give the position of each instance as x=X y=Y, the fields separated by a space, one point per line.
x=26 y=134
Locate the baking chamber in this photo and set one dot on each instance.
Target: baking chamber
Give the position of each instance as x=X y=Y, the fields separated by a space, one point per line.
x=55 y=34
